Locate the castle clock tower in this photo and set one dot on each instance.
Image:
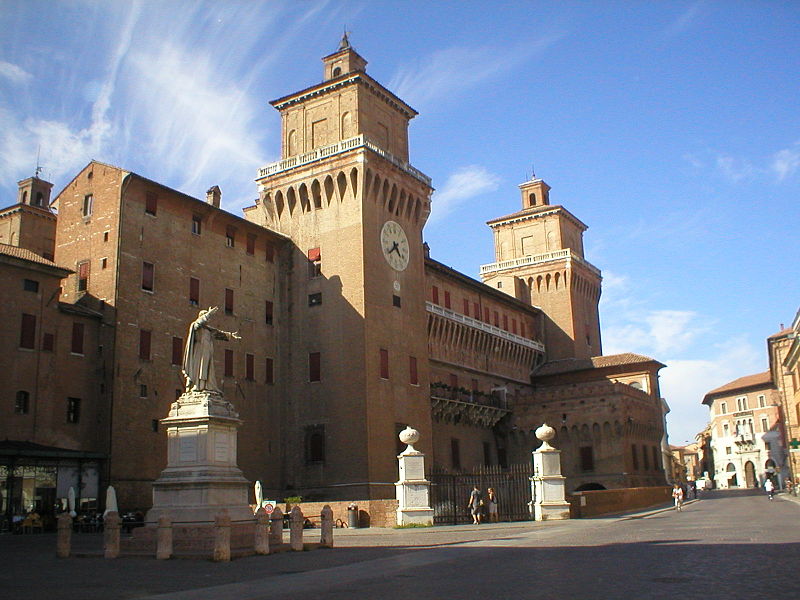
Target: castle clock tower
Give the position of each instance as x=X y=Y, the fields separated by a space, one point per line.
x=539 y=259
x=354 y=355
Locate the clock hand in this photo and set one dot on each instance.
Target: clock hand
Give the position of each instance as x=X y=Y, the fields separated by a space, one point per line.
x=395 y=248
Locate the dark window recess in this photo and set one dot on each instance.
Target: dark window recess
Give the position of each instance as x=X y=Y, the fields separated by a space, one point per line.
x=413 y=377
x=83 y=276
x=477 y=310
x=455 y=453
x=447 y=299
x=30 y=285
x=148 y=276
x=435 y=295
x=514 y=326
x=142 y=390
x=496 y=319
x=103 y=263
x=154 y=425
x=228 y=301
x=314 y=370
x=466 y=307
x=194 y=291
x=177 y=351
x=268 y=307
x=315 y=299
x=105 y=236
x=151 y=203
x=144 y=344
x=396 y=301
x=315 y=443
x=197 y=225
x=645 y=458
x=269 y=373
x=384 y=361
x=655 y=458
x=486 y=315
x=230 y=236
x=88 y=202
x=228 y=363
x=77 y=338
x=48 y=342
x=250 y=367
x=270 y=253
x=27 y=333
x=587 y=458
x=314 y=263
x=22 y=403
x=73 y=410
x=251 y=243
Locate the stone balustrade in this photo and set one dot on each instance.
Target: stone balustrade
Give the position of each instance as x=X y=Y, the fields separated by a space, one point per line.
x=534 y=259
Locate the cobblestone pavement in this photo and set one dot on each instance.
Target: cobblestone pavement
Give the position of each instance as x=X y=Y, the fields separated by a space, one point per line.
x=728 y=545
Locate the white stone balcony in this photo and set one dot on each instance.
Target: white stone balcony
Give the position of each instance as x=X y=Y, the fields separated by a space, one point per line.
x=359 y=141
x=535 y=259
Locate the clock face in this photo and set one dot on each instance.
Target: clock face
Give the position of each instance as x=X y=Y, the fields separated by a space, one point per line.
x=394 y=244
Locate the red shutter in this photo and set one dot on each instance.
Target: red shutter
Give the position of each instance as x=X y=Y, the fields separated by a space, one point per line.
x=505 y=322
x=270 y=253
x=194 y=291
x=228 y=301
x=144 y=344
x=477 y=308
x=228 y=363
x=496 y=319
x=177 y=351
x=514 y=326
x=251 y=243
x=446 y=299
x=412 y=370
x=77 y=338
x=314 y=255
x=27 y=334
x=314 y=373
x=250 y=367
x=486 y=314
x=466 y=307
x=435 y=295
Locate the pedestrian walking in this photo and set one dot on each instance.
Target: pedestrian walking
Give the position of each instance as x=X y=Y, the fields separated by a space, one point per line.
x=475 y=505
x=677 y=496
x=493 y=503
x=769 y=487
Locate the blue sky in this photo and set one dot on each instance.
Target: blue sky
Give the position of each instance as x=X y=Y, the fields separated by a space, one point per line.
x=670 y=128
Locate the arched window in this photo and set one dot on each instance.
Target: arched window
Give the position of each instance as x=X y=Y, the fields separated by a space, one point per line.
x=337 y=71
x=532 y=199
x=292 y=142
x=39 y=199
x=315 y=443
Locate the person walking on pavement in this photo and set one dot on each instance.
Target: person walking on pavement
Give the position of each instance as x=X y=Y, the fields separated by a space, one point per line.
x=677 y=496
x=492 y=500
x=475 y=505
x=769 y=487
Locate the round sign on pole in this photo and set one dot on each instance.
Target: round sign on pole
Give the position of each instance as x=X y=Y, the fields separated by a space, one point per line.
x=269 y=507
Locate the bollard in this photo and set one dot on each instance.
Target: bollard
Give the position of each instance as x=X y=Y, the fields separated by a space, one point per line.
x=64 y=539
x=222 y=537
x=111 y=535
x=262 y=532
x=296 y=529
x=276 y=528
x=326 y=532
x=164 y=538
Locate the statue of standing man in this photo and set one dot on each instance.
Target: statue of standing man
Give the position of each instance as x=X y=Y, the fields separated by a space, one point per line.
x=198 y=357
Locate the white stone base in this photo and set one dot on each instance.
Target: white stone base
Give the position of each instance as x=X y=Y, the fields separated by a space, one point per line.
x=551 y=511
x=414 y=516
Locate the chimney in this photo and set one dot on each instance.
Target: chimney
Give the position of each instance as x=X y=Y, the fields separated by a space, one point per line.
x=213 y=196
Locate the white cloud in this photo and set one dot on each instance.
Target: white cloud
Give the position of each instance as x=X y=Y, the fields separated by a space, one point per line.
x=14 y=73
x=462 y=185
x=734 y=169
x=450 y=71
x=683 y=21
x=785 y=162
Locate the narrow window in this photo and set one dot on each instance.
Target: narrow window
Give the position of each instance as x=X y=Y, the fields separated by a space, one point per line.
x=73 y=410
x=384 y=360
x=499 y=285
x=762 y=400
x=27 y=334
x=466 y=307
x=764 y=425
x=505 y=322
x=251 y=243
x=315 y=443
x=83 y=276
x=270 y=254
x=314 y=373
x=269 y=308
x=635 y=456
x=514 y=326
x=88 y=201
x=150 y=203
x=197 y=224
x=396 y=301
x=142 y=390
x=314 y=263
x=476 y=310
x=194 y=291
x=103 y=263
x=30 y=285
x=646 y=458
x=144 y=344
x=77 y=338
x=48 y=342
x=154 y=425
x=446 y=299
x=522 y=328
x=723 y=408
x=230 y=236
x=22 y=403
x=413 y=377
x=250 y=367
x=455 y=453
x=177 y=351
x=105 y=236
x=148 y=276
x=228 y=362
x=315 y=299
x=269 y=376
x=655 y=458
x=228 y=301
x=486 y=315
x=496 y=319
x=435 y=295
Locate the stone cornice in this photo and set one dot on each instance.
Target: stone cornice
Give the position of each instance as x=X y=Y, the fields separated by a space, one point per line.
x=536 y=213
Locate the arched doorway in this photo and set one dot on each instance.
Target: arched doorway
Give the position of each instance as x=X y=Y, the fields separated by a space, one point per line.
x=750 y=474
x=731 y=471
x=586 y=487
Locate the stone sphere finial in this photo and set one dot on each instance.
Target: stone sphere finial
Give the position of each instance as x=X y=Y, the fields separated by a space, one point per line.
x=410 y=437
x=545 y=433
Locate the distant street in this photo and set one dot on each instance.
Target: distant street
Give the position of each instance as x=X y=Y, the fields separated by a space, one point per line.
x=727 y=545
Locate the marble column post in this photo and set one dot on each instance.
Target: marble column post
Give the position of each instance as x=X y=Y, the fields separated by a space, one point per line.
x=547 y=483
x=413 y=490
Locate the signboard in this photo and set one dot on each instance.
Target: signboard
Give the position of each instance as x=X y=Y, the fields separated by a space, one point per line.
x=269 y=506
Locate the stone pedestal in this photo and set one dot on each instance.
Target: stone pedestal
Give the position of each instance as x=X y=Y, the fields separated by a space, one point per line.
x=201 y=479
x=413 y=490
x=547 y=483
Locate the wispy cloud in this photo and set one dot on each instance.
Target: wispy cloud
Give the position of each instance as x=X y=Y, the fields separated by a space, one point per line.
x=786 y=162
x=453 y=70
x=14 y=73
x=780 y=166
x=465 y=183
x=685 y=20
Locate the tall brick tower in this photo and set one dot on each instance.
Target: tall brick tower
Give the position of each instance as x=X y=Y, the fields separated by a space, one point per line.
x=539 y=259
x=355 y=359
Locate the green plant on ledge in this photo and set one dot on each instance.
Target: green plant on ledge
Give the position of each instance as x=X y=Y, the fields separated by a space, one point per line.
x=293 y=500
x=413 y=525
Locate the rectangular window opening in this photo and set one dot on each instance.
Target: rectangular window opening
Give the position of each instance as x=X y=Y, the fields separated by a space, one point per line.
x=77 y=338
x=228 y=363
x=145 y=337
x=73 y=410
x=27 y=334
x=315 y=299
x=30 y=285
x=151 y=203
x=384 y=363
x=197 y=224
x=314 y=370
x=194 y=291
x=228 y=301
x=148 y=276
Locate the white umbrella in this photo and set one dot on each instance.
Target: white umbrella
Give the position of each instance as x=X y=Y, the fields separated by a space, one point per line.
x=71 y=502
x=259 y=494
x=111 y=501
